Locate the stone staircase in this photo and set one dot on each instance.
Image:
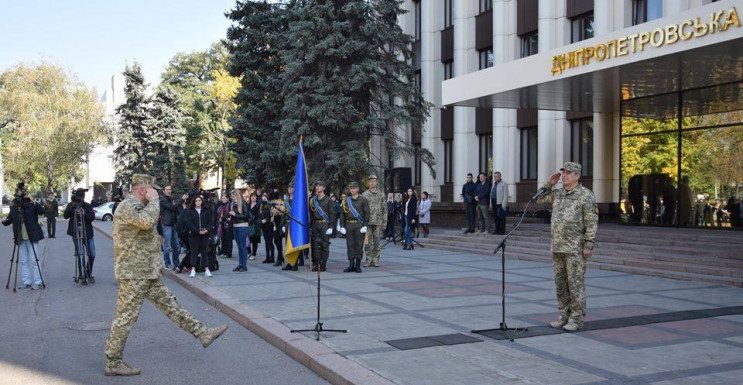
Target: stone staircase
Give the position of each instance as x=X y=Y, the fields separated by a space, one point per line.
x=687 y=254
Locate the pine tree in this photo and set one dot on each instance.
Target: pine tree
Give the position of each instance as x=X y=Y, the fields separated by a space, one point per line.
x=257 y=43
x=132 y=153
x=168 y=138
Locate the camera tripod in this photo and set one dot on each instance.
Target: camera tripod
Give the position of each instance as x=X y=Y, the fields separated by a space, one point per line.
x=83 y=265
x=18 y=223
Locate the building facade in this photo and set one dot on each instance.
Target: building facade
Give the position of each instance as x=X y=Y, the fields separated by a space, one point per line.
x=646 y=94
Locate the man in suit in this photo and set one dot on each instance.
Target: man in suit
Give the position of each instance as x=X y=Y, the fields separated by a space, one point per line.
x=499 y=202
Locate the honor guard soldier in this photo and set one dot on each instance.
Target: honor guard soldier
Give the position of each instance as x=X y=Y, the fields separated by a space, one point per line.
x=377 y=219
x=354 y=214
x=322 y=216
x=288 y=203
x=574 y=225
x=137 y=265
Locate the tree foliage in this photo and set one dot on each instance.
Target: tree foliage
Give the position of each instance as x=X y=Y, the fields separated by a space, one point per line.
x=51 y=122
x=168 y=139
x=132 y=153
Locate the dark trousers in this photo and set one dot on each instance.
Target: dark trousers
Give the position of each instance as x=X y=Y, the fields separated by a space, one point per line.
x=186 y=261
x=268 y=237
x=227 y=239
x=354 y=241
x=389 y=230
x=499 y=218
x=254 y=242
x=279 y=246
x=51 y=227
x=320 y=242
x=199 y=246
x=470 y=211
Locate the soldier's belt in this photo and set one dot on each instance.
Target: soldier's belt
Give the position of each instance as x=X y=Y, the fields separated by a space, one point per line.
x=352 y=221
x=319 y=221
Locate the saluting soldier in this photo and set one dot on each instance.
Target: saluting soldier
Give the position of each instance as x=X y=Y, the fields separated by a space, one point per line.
x=377 y=219
x=137 y=269
x=322 y=216
x=574 y=226
x=354 y=214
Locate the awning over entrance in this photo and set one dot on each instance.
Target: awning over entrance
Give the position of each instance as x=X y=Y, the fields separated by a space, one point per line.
x=672 y=59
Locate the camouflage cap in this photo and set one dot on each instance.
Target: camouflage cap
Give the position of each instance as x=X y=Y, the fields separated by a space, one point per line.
x=373 y=176
x=572 y=167
x=354 y=184
x=144 y=179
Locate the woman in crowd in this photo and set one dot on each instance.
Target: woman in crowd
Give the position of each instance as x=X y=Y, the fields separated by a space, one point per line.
x=411 y=213
x=389 y=230
x=424 y=213
x=278 y=225
x=267 y=228
x=255 y=225
x=241 y=218
x=198 y=222
x=224 y=226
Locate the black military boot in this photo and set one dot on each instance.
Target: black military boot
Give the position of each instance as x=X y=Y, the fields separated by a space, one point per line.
x=287 y=267
x=324 y=265
x=314 y=266
x=351 y=266
x=357 y=265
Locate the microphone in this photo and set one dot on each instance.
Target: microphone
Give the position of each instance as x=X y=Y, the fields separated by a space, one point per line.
x=539 y=193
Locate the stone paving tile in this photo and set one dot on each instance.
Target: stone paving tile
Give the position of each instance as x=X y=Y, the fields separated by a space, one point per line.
x=705 y=327
x=732 y=377
x=385 y=327
x=729 y=296
x=667 y=304
x=635 y=335
x=276 y=291
x=305 y=308
x=486 y=317
x=642 y=283
x=416 y=302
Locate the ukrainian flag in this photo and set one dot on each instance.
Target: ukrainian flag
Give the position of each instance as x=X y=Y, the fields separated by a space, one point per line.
x=297 y=232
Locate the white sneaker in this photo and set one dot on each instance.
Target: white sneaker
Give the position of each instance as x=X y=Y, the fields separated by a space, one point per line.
x=207 y=273
x=193 y=273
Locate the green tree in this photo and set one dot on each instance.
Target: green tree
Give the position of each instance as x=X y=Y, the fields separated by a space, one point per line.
x=51 y=123
x=168 y=138
x=132 y=153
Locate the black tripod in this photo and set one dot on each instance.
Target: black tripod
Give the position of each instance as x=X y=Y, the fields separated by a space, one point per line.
x=16 y=255
x=395 y=236
x=83 y=265
x=318 y=325
x=502 y=247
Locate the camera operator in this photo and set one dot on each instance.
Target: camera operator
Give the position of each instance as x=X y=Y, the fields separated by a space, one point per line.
x=24 y=213
x=78 y=200
x=119 y=195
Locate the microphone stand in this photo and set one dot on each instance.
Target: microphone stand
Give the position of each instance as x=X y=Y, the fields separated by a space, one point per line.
x=318 y=325
x=502 y=247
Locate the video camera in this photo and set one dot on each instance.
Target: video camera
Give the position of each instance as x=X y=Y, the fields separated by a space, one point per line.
x=78 y=196
x=21 y=194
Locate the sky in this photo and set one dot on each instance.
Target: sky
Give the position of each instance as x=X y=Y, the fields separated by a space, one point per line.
x=94 y=39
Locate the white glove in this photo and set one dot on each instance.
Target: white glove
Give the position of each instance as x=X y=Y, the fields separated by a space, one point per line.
x=283 y=229
x=343 y=230
x=363 y=230
x=328 y=231
x=338 y=227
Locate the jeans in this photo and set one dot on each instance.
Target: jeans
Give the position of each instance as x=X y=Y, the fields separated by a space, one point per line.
x=268 y=237
x=471 y=212
x=241 y=237
x=28 y=260
x=170 y=245
x=408 y=233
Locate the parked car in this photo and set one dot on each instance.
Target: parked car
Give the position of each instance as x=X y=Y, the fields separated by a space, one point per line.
x=103 y=212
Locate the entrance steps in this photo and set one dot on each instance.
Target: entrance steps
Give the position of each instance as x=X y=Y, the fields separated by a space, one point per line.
x=688 y=254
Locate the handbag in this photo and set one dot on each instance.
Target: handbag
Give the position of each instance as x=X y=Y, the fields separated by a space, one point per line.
x=255 y=231
x=214 y=240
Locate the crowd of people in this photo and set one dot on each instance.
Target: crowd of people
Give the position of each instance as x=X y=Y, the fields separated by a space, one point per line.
x=483 y=200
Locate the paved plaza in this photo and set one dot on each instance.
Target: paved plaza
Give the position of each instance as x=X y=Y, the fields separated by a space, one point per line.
x=429 y=292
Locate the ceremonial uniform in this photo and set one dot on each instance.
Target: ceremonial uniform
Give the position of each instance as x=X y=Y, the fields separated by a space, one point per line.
x=377 y=219
x=574 y=226
x=137 y=265
x=354 y=216
x=322 y=216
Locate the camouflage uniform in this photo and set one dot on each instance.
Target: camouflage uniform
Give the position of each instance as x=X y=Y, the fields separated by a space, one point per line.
x=319 y=225
x=574 y=226
x=377 y=219
x=137 y=265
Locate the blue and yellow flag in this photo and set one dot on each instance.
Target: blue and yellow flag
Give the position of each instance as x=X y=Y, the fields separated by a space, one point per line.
x=297 y=231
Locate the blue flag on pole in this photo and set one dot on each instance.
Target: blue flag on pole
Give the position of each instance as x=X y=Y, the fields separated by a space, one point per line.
x=297 y=231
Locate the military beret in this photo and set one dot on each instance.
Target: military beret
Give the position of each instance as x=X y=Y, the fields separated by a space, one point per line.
x=354 y=184
x=145 y=179
x=373 y=176
x=572 y=167
x=318 y=182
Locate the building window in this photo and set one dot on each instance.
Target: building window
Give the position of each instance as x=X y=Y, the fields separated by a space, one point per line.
x=486 y=5
x=486 y=153
x=529 y=44
x=418 y=22
x=581 y=144
x=646 y=10
x=448 y=70
x=529 y=153
x=448 y=161
x=581 y=27
x=448 y=18
x=486 y=58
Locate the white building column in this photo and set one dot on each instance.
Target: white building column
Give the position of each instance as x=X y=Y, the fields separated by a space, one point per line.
x=465 y=147
x=546 y=135
x=605 y=158
x=431 y=88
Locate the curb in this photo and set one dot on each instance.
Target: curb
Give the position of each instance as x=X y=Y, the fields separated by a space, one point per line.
x=325 y=362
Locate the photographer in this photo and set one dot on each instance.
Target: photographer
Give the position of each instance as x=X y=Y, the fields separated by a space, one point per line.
x=78 y=201
x=24 y=214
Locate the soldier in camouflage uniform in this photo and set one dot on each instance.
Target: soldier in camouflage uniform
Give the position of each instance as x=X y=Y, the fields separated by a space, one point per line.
x=322 y=216
x=574 y=226
x=377 y=219
x=137 y=265
x=354 y=215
